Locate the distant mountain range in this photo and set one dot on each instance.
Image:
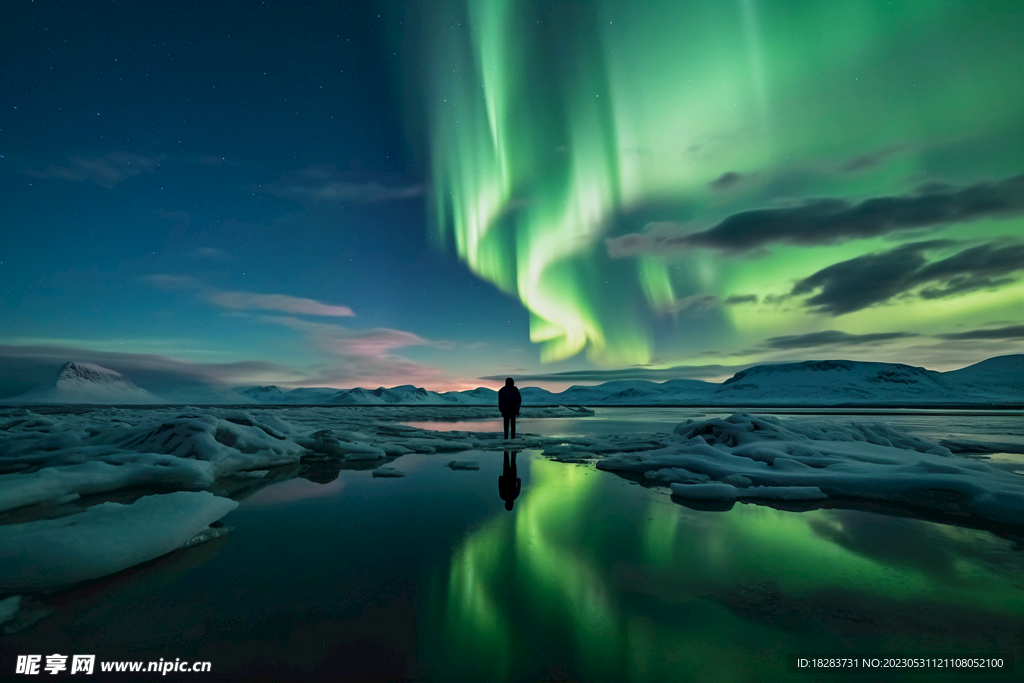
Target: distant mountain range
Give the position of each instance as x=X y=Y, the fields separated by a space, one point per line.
x=996 y=381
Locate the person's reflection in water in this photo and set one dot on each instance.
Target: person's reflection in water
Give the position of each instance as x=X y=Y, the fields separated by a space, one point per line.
x=508 y=483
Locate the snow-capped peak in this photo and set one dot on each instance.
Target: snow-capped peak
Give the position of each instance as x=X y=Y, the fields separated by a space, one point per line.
x=88 y=383
x=78 y=374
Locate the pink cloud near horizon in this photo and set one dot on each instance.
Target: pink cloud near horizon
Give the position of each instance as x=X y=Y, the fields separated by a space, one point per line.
x=361 y=357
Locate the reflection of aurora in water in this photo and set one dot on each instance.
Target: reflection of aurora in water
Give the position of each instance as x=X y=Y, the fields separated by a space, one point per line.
x=643 y=588
x=556 y=125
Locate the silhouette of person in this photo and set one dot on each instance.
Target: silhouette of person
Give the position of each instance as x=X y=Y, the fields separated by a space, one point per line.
x=509 y=401
x=509 y=484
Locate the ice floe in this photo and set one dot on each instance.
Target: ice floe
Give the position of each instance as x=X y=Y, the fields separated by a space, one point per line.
x=763 y=457
x=86 y=492
x=30 y=611
x=464 y=465
x=54 y=553
x=9 y=607
x=721 y=491
x=387 y=471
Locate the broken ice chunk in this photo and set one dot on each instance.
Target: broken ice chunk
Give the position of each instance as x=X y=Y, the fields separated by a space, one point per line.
x=106 y=538
x=713 y=491
x=387 y=471
x=463 y=465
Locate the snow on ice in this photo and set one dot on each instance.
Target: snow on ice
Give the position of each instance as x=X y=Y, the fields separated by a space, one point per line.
x=387 y=471
x=747 y=456
x=103 y=539
x=60 y=472
x=464 y=465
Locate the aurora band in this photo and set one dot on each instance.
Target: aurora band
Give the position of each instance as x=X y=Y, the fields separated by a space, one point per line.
x=555 y=126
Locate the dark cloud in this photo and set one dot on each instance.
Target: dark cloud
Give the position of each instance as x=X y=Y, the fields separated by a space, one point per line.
x=357 y=357
x=679 y=372
x=822 y=221
x=831 y=338
x=693 y=304
x=39 y=364
x=629 y=245
x=963 y=285
x=699 y=303
x=864 y=281
x=725 y=181
x=831 y=220
x=1010 y=332
x=875 y=278
x=107 y=171
x=983 y=267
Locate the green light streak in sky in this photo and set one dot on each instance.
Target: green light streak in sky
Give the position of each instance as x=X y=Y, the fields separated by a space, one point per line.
x=656 y=282
x=554 y=126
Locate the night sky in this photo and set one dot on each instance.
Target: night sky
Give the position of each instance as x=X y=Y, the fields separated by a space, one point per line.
x=361 y=194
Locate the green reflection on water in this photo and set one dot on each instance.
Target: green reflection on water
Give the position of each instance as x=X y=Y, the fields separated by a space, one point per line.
x=587 y=579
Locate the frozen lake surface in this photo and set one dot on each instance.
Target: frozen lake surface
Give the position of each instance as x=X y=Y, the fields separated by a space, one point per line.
x=331 y=573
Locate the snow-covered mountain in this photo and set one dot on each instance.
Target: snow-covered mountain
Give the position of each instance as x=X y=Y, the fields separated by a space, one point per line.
x=271 y=394
x=831 y=382
x=204 y=395
x=839 y=381
x=88 y=383
x=310 y=394
x=1001 y=374
x=996 y=381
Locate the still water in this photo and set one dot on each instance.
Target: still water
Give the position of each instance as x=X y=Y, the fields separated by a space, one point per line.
x=588 y=577
x=1001 y=425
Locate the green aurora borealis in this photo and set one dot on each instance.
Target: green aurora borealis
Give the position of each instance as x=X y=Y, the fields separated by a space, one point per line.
x=577 y=150
x=445 y=192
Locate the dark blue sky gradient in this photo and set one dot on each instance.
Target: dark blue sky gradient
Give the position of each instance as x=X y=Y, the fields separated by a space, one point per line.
x=222 y=105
